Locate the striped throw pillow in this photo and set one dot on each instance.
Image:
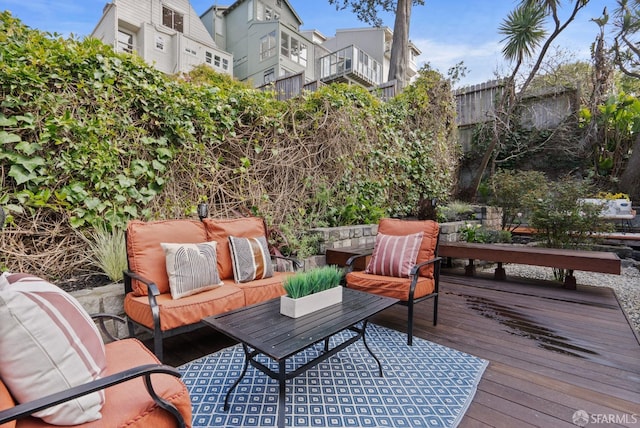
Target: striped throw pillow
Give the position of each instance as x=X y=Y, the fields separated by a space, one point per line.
x=394 y=255
x=191 y=268
x=48 y=343
x=251 y=259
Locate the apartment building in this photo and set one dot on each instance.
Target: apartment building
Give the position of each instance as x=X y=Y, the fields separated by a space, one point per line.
x=265 y=39
x=267 y=44
x=370 y=49
x=167 y=34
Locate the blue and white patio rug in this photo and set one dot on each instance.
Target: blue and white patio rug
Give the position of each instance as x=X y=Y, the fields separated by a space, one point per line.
x=424 y=385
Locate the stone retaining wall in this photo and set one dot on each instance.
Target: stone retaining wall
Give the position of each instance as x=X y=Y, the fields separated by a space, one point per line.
x=364 y=236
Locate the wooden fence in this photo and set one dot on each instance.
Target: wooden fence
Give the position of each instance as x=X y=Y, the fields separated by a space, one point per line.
x=545 y=109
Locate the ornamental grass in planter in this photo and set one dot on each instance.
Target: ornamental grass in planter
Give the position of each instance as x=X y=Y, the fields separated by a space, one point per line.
x=310 y=291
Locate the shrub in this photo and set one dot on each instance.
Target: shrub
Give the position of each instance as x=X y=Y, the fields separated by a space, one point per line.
x=560 y=220
x=513 y=192
x=456 y=211
x=92 y=137
x=477 y=233
x=108 y=252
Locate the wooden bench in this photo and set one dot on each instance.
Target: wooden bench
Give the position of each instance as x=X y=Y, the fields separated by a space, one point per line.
x=591 y=261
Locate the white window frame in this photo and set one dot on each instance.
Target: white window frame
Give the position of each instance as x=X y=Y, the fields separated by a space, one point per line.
x=125 y=46
x=268 y=45
x=177 y=25
x=269 y=76
x=284 y=44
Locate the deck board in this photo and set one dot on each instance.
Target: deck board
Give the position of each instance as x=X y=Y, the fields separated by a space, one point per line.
x=551 y=351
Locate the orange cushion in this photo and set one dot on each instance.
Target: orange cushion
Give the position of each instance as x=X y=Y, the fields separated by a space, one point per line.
x=146 y=256
x=185 y=311
x=259 y=290
x=389 y=286
x=219 y=230
x=430 y=229
x=6 y=402
x=128 y=404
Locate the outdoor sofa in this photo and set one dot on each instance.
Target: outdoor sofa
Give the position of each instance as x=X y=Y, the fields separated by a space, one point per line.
x=167 y=290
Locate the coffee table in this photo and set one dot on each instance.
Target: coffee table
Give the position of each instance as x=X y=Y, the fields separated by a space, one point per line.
x=261 y=329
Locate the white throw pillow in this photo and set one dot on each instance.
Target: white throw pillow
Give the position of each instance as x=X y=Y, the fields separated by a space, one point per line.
x=48 y=343
x=192 y=268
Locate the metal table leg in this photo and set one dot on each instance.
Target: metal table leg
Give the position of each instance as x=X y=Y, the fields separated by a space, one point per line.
x=247 y=357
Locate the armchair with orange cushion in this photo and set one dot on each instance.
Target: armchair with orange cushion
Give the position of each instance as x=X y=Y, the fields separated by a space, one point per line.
x=404 y=265
x=56 y=370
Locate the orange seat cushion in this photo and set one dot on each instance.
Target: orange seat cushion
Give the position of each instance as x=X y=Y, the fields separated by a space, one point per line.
x=219 y=230
x=185 y=311
x=389 y=286
x=430 y=229
x=259 y=290
x=146 y=256
x=128 y=404
x=6 y=402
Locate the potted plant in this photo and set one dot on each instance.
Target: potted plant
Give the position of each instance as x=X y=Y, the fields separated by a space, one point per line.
x=311 y=291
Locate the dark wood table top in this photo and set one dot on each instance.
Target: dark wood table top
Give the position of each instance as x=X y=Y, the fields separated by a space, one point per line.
x=263 y=328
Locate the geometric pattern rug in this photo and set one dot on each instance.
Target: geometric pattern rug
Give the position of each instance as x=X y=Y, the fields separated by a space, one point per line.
x=424 y=385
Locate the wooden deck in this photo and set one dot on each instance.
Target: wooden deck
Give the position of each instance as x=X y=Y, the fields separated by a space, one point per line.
x=551 y=351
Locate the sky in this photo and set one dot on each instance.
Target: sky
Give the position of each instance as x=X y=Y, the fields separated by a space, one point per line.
x=446 y=31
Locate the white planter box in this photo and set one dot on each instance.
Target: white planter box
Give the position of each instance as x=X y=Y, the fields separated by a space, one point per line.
x=295 y=308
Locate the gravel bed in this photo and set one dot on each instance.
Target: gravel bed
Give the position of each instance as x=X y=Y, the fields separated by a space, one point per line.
x=626 y=286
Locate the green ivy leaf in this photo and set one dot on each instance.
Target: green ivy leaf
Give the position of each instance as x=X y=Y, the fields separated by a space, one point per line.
x=20 y=174
x=7 y=138
x=76 y=222
x=27 y=148
x=7 y=121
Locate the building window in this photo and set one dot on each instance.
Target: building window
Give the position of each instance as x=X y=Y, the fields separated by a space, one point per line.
x=216 y=61
x=284 y=45
x=249 y=10
x=172 y=19
x=125 y=42
x=191 y=51
x=225 y=64
x=160 y=43
x=268 y=46
x=302 y=57
x=265 y=13
x=269 y=76
x=294 y=49
x=208 y=56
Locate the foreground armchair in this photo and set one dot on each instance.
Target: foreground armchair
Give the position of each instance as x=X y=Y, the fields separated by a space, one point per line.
x=404 y=265
x=59 y=371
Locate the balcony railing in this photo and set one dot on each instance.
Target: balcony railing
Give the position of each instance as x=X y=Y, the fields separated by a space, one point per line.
x=350 y=64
